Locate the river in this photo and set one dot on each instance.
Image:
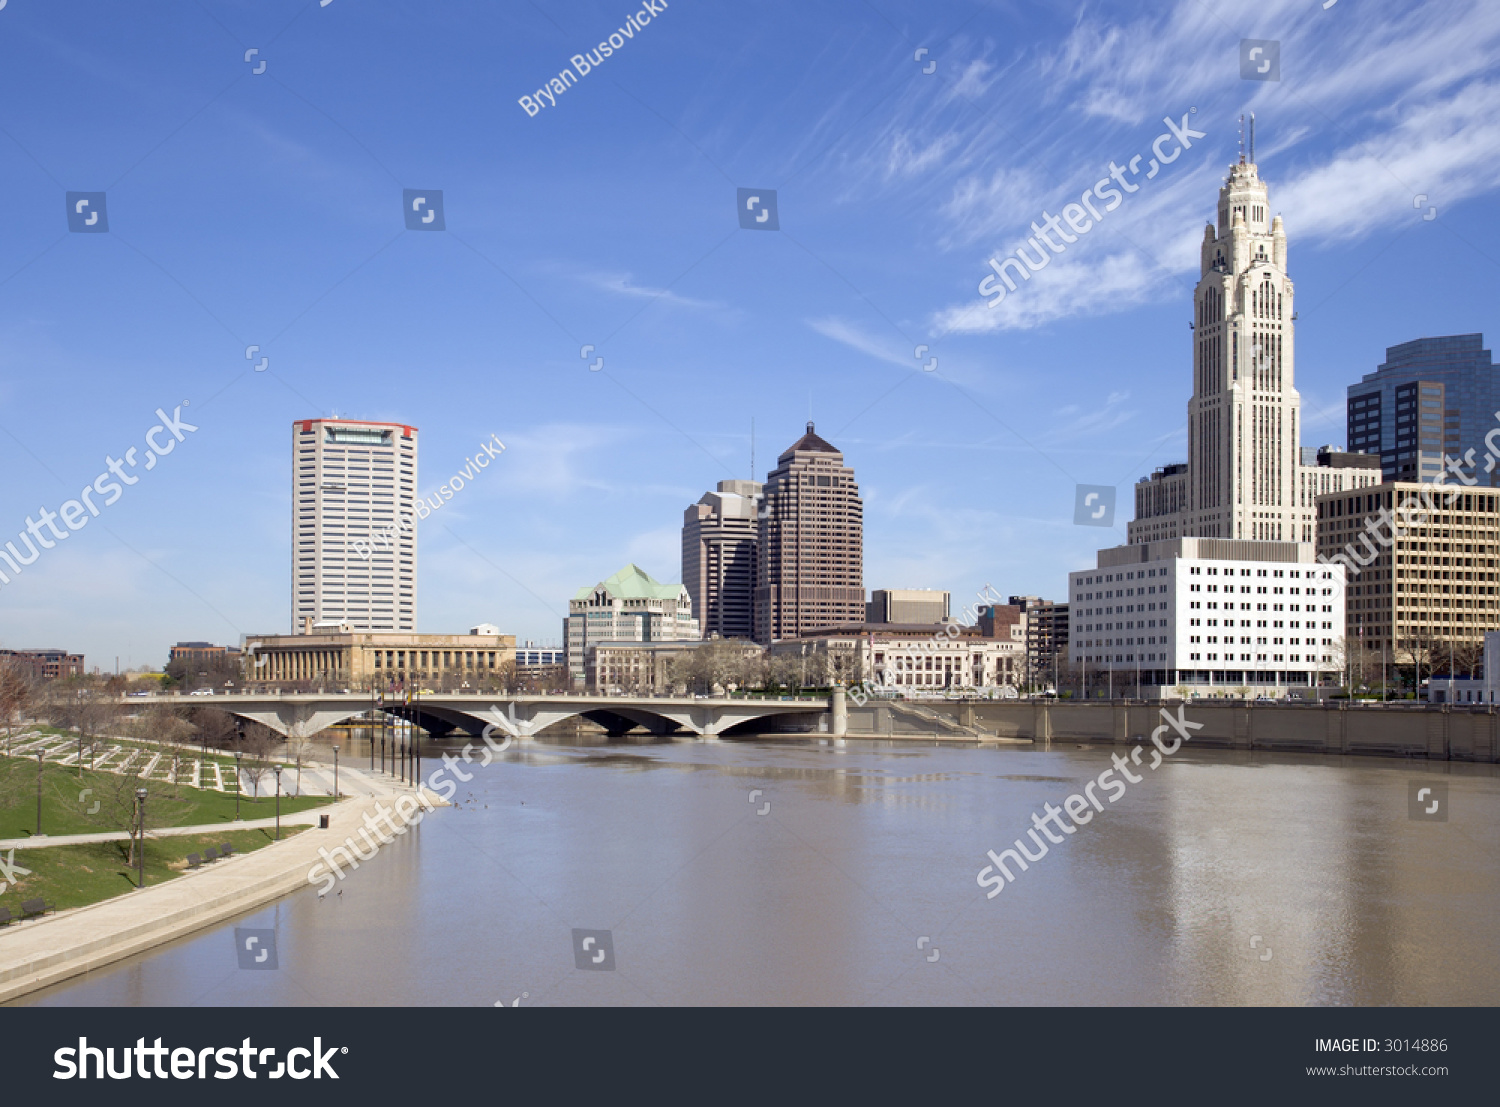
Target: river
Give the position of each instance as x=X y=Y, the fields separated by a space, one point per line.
x=813 y=872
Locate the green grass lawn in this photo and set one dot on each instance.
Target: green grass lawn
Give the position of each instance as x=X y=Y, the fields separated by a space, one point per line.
x=64 y=812
x=74 y=876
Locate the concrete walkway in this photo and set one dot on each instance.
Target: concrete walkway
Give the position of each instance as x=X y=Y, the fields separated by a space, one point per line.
x=43 y=952
x=301 y=818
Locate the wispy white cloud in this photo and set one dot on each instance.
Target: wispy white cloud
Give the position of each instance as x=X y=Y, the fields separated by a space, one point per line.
x=850 y=335
x=1378 y=103
x=623 y=284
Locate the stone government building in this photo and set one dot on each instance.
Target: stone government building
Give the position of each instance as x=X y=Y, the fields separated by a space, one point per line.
x=340 y=660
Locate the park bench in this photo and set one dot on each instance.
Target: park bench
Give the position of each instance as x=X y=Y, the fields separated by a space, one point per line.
x=35 y=908
x=194 y=861
x=5 y=916
x=226 y=849
x=210 y=854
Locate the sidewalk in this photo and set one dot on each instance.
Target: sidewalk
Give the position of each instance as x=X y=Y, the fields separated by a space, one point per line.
x=43 y=952
x=301 y=818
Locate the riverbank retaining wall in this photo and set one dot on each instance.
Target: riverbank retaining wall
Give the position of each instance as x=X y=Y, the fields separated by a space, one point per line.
x=1435 y=732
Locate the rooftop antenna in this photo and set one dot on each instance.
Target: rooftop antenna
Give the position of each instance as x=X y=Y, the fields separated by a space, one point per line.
x=752 y=447
x=1252 y=138
x=1242 y=140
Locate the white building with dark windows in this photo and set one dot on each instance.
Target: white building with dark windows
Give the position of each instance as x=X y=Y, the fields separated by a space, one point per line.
x=1207 y=616
x=354 y=537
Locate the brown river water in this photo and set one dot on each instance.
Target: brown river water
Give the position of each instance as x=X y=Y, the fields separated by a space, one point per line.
x=806 y=871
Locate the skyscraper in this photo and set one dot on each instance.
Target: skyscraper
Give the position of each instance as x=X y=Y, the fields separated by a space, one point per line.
x=354 y=560
x=1244 y=476
x=720 y=534
x=810 y=574
x=1430 y=397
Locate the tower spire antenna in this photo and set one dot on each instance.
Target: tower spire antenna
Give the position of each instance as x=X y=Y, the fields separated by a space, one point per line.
x=1242 y=139
x=1252 y=138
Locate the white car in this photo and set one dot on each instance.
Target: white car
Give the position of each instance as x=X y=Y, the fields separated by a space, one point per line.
x=201 y=692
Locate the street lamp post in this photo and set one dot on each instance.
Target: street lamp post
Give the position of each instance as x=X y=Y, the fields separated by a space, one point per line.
x=236 y=785
x=39 y=792
x=278 y=802
x=140 y=856
x=335 y=772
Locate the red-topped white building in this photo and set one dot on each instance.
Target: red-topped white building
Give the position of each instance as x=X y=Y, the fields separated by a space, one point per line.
x=354 y=526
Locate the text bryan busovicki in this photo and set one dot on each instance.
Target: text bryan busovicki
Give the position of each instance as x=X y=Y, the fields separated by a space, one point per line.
x=553 y=87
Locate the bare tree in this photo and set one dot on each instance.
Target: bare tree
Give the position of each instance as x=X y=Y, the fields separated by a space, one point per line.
x=117 y=800
x=1417 y=650
x=16 y=693
x=719 y=663
x=185 y=674
x=298 y=748
x=214 y=729
x=257 y=745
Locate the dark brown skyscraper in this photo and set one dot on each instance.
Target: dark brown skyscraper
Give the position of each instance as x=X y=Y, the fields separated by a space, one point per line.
x=812 y=544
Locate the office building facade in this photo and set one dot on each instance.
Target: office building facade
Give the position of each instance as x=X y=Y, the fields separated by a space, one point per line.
x=810 y=573
x=630 y=606
x=1046 y=638
x=1420 y=559
x=1244 y=478
x=1210 y=616
x=40 y=665
x=720 y=552
x=354 y=537
x=1430 y=398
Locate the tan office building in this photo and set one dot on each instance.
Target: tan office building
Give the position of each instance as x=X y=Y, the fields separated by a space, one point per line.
x=720 y=536
x=907 y=605
x=1420 y=565
x=812 y=541
x=359 y=661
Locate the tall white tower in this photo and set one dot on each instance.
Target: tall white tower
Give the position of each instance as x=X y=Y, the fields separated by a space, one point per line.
x=354 y=560
x=1243 y=441
x=1244 y=477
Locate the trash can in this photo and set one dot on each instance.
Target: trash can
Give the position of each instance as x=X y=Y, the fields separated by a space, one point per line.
x=322 y=822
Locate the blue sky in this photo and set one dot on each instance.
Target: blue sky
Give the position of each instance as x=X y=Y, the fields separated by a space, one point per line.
x=265 y=209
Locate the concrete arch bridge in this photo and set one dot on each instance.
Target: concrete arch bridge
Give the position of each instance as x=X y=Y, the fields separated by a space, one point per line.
x=302 y=714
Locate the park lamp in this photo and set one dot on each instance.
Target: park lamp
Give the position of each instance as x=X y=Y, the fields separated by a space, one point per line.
x=140 y=856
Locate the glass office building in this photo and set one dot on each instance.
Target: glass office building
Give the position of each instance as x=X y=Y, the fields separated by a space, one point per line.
x=1431 y=397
